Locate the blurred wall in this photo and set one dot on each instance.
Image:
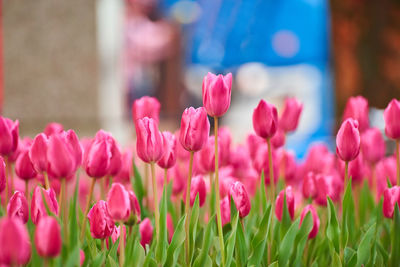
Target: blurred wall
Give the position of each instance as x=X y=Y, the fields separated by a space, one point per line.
x=50 y=64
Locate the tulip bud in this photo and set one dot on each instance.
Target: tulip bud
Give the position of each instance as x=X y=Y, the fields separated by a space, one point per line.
x=169 y=158
x=119 y=205
x=9 y=135
x=287 y=162
x=327 y=185
x=309 y=186
x=38 y=209
x=279 y=138
x=38 y=153
x=217 y=94
x=319 y=159
x=125 y=172
x=101 y=224
x=150 y=143
x=24 y=167
x=146 y=106
x=391 y=117
x=253 y=142
x=289 y=203
x=290 y=115
x=48 y=237
x=146 y=232
x=2 y=174
x=265 y=119
x=357 y=109
x=97 y=157
x=240 y=198
x=18 y=207
x=225 y=210
x=373 y=145
x=198 y=186
x=315 y=218
x=53 y=128
x=357 y=169
x=135 y=209
x=14 y=242
x=195 y=129
x=348 y=140
x=390 y=197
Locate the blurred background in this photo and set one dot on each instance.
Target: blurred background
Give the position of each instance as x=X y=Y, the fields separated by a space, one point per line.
x=83 y=63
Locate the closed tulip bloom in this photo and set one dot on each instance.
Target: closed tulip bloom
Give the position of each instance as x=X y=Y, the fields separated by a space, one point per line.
x=168 y=160
x=319 y=159
x=198 y=187
x=119 y=205
x=287 y=162
x=146 y=106
x=391 y=196
x=265 y=119
x=2 y=174
x=135 y=209
x=149 y=143
x=348 y=140
x=24 y=167
x=309 y=186
x=290 y=115
x=53 y=128
x=101 y=224
x=195 y=128
x=373 y=145
x=18 y=207
x=9 y=135
x=97 y=157
x=315 y=218
x=146 y=232
x=38 y=209
x=385 y=169
x=357 y=109
x=289 y=203
x=38 y=153
x=48 y=237
x=225 y=210
x=278 y=140
x=327 y=185
x=240 y=198
x=116 y=158
x=391 y=116
x=14 y=242
x=217 y=93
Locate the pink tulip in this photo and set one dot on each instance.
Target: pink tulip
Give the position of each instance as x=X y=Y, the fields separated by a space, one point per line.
x=170 y=227
x=24 y=167
x=168 y=160
x=101 y=224
x=315 y=218
x=357 y=109
x=225 y=182
x=205 y=158
x=217 y=94
x=146 y=106
x=348 y=140
x=195 y=129
x=38 y=153
x=224 y=144
x=18 y=207
x=289 y=203
x=2 y=174
x=279 y=139
x=116 y=233
x=240 y=161
x=373 y=145
x=81 y=257
x=357 y=169
x=116 y=158
x=97 y=157
x=391 y=117
x=146 y=232
x=225 y=210
x=290 y=115
x=178 y=183
x=327 y=185
x=150 y=143
x=53 y=128
x=287 y=162
x=385 y=169
x=38 y=209
x=309 y=185
x=198 y=186
x=240 y=198
x=265 y=119
x=390 y=197
x=14 y=242
x=253 y=142
x=119 y=205
x=261 y=163
x=48 y=237
x=135 y=209
x=9 y=135
x=319 y=159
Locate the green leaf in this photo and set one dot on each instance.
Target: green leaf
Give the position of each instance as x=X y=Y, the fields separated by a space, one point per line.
x=194 y=219
x=177 y=240
x=350 y=257
x=231 y=240
x=286 y=246
x=395 y=234
x=162 y=243
x=111 y=262
x=73 y=257
x=274 y=264
x=138 y=254
x=286 y=221
x=99 y=259
x=333 y=230
x=364 y=249
x=348 y=220
x=241 y=245
x=137 y=185
x=202 y=258
x=302 y=237
x=73 y=222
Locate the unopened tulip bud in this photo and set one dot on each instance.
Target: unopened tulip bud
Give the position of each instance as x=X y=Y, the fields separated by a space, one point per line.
x=150 y=143
x=217 y=93
x=309 y=186
x=9 y=136
x=289 y=203
x=205 y=158
x=357 y=109
x=48 y=237
x=348 y=140
x=38 y=209
x=373 y=145
x=135 y=209
x=240 y=198
x=18 y=207
x=119 y=205
x=195 y=128
x=146 y=106
x=53 y=128
x=391 y=196
x=24 y=167
x=101 y=224
x=168 y=160
x=146 y=232
x=38 y=153
x=278 y=140
x=97 y=157
x=391 y=117
x=125 y=173
x=225 y=210
x=315 y=218
x=224 y=145
x=265 y=119
x=290 y=115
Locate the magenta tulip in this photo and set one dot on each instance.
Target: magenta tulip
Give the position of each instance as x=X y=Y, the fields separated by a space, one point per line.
x=348 y=140
x=319 y=159
x=24 y=167
x=265 y=119
x=97 y=157
x=150 y=143
x=261 y=163
x=279 y=138
x=9 y=135
x=253 y=142
x=38 y=153
x=357 y=109
x=289 y=203
x=373 y=145
x=116 y=233
x=146 y=232
x=290 y=115
x=315 y=218
x=225 y=210
x=309 y=186
x=195 y=129
x=391 y=196
x=48 y=237
x=101 y=224
x=168 y=160
x=391 y=117
x=240 y=198
x=18 y=207
x=217 y=93
x=205 y=158
x=53 y=128
x=119 y=205
x=135 y=209
x=81 y=257
x=38 y=209
x=146 y=106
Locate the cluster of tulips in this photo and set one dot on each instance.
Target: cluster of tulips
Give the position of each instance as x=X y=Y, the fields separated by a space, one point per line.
x=68 y=201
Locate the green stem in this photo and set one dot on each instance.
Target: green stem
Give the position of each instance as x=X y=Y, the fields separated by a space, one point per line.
x=165 y=178
x=217 y=202
x=187 y=207
x=46 y=181
x=155 y=198
x=122 y=244
x=27 y=190
x=346 y=173
x=89 y=199
x=271 y=171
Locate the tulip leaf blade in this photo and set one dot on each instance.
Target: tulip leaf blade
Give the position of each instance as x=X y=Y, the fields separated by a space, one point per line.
x=194 y=218
x=99 y=259
x=201 y=259
x=301 y=238
x=394 y=258
x=231 y=240
x=364 y=249
x=332 y=229
x=241 y=244
x=286 y=246
x=162 y=243
x=176 y=242
x=137 y=185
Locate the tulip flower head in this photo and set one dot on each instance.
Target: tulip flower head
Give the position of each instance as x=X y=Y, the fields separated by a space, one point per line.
x=290 y=115
x=135 y=209
x=217 y=93
x=98 y=154
x=168 y=160
x=38 y=209
x=240 y=198
x=288 y=193
x=198 y=187
x=265 y=119
x=48 y=237
x=101 y=224
x=357 y=109
x=18 y=207
x=309 y=186
x=24 y=167
x=195 y=128
x=119 y=205
x=9 y=136
x=2 y=174
x=146 y=232
x=38 y=153
x=146 y=106
x=348 y=140
x=150 y=141
x=53 y=128
x=373 y=145
x=225 y=210
x=391 y=196
x=391 y=116
x=315 y=218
